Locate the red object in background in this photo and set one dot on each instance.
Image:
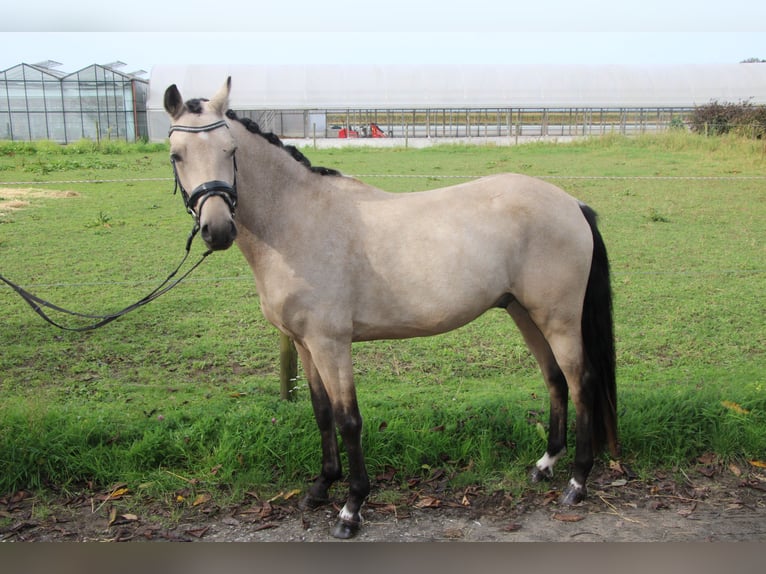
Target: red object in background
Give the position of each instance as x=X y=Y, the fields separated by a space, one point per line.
x=376 y=132
x=344 y=133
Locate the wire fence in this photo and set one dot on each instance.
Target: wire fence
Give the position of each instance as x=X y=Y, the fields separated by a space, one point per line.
x=246 y=278
x=425 y=176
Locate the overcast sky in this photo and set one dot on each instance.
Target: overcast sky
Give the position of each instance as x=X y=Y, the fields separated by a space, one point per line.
x=143 y=33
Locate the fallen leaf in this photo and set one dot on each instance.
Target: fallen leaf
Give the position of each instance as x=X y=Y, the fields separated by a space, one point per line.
x=197 y=532
x=568 y=517
x=615 y=466
x=758 y=463
x=237 y=395
x=215 y=469
x=512 y=527
x=708 y=458
x=115 y=519
x=439 y=428
x=201 y=499
x=117 y=492
x=735 y=407
x=387 y=508
x=735 y=470
x=285 y=495
x=386 y=476
x=428 y=502
x=465 y=501
x=382 y=426
x=619 y=482
x=549 y=497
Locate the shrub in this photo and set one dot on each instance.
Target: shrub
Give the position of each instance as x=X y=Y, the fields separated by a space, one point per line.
x=718 y=118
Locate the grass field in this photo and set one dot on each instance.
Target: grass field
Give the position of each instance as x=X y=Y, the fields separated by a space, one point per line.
x=185 y=390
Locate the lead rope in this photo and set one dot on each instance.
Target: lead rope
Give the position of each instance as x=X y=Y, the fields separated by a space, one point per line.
x=201 y=193
x=37 y=303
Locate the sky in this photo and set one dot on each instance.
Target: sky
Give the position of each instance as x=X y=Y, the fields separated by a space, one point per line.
x=144 y=33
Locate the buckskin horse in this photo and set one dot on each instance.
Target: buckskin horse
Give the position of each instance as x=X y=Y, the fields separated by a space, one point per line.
x=337 y=261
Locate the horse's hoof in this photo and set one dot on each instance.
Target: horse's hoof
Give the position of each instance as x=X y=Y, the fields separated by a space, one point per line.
x=345 y=530
x=574 y=493
x=311 y=503
x=541 y=474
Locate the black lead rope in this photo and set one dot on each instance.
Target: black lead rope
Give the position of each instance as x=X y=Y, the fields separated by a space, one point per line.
x=199 y=195
x=37 y=303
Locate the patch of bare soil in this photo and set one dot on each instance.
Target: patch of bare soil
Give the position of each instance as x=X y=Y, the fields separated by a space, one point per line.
x=12 y=199
x=712 y=503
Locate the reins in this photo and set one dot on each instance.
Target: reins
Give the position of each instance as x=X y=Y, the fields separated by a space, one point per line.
x=37 y=303
x=199 y=195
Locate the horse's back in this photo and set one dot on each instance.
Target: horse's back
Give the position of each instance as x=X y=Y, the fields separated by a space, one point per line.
x=434 y=260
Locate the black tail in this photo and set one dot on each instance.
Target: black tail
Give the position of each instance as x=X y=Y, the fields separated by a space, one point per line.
x=598 y=339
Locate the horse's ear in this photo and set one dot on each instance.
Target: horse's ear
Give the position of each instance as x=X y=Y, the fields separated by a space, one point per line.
x=174 y=103
x=220 y=101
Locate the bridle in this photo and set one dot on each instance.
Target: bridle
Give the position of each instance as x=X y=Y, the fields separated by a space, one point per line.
x=204 y=191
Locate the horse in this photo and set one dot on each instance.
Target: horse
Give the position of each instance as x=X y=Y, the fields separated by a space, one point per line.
x=336 y=261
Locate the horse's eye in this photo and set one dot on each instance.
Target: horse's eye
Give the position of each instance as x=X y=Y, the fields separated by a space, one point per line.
x=174 y=157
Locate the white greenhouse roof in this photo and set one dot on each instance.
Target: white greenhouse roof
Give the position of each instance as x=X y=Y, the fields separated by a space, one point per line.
x=397 y=87
x=334 y=87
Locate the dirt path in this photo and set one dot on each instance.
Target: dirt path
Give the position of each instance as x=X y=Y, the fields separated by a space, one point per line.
x=12 y=199
x=711 y=504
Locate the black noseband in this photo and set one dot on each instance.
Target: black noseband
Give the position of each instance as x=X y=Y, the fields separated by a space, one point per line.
x=210 y=189
x=205 y=191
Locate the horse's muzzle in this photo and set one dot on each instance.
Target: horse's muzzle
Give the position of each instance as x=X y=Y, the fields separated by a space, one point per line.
x=218 y=235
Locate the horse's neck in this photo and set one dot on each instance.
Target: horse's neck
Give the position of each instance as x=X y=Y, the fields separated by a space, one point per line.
x=275 y=194
x=272 y=182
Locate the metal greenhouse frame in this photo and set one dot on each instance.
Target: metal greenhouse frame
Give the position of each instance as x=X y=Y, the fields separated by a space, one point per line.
x=97 y=102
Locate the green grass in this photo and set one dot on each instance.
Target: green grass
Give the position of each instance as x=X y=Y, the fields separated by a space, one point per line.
x=187 y=387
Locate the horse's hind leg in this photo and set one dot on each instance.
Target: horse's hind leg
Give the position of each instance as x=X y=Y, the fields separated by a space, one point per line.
x=568 y=350
x=331 y=466
x=557 y=388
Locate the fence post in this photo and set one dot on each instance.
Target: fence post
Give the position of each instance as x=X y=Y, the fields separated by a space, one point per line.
x=288 y=367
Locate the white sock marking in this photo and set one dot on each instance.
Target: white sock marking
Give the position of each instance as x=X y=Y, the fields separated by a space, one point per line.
x=547 y=461
x=348 y=516
x=574 y=484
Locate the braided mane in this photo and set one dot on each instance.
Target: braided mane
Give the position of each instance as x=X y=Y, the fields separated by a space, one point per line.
x=273 y=139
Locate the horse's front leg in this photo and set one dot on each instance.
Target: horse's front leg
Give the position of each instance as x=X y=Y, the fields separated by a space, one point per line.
x=333 y=361
x=323 y=413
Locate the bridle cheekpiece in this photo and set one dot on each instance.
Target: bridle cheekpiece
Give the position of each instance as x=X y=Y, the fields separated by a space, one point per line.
x=205 y=191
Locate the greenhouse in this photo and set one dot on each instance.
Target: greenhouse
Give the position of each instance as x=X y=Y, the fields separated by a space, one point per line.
x=509 y=102
x=436 y=101
x=98 y=103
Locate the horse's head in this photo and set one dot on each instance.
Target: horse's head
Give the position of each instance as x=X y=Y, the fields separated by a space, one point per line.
x=202 y=154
